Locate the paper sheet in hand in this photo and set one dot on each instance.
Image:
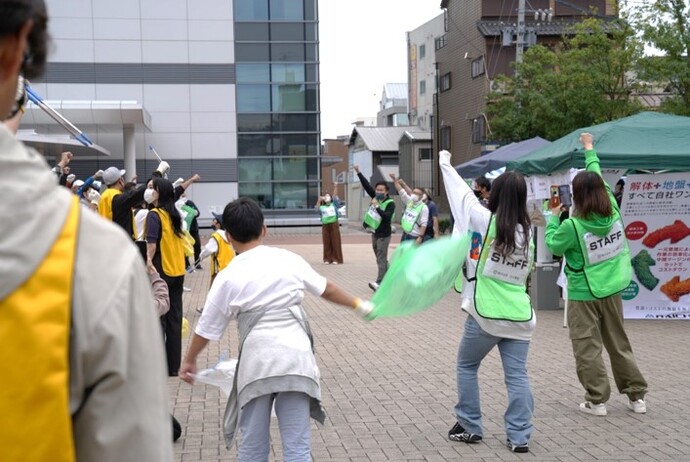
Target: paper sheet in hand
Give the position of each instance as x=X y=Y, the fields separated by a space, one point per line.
x=419 y=276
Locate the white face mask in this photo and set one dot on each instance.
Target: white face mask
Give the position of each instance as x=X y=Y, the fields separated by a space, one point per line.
x=150 y=195
x=415 y=198
x=327 y=199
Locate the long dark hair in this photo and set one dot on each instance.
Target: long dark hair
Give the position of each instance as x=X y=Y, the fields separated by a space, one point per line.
x=590 y=196
x=166 y=201
x=508 y=202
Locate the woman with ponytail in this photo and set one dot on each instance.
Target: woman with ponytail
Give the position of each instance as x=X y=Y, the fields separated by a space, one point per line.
x=165 y=255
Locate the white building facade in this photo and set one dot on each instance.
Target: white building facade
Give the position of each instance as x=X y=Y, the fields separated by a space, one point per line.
x=229 y=90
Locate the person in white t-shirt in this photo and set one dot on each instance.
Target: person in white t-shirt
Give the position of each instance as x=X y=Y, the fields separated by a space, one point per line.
x=263 y=288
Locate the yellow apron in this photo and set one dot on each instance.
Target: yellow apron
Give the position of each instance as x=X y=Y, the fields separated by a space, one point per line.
x=171 y=247
x=105 y=204
x=224 y=255
x=35 y=423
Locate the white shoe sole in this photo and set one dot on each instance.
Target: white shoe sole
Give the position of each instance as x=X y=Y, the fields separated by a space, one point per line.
x=599 y=412
x=639 y=409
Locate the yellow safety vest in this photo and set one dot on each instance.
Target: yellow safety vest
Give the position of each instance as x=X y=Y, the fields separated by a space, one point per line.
x=105 y=204
x=171 y=247
x=224 y=255
x=35 y=423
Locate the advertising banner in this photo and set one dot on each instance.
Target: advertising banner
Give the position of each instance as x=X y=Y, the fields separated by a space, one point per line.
x=656 y=213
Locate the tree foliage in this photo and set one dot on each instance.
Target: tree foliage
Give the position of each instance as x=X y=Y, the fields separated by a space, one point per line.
x=665 y=25
x=582 y=81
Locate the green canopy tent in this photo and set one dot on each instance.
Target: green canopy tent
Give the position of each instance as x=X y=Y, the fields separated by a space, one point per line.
x=645 y=141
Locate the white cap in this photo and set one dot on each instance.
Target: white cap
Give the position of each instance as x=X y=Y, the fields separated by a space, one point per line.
x=111 y=175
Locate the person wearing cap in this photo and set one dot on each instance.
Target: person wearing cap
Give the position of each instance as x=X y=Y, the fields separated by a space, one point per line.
x=123 y=198
x=114 y=179
x=218 y=248
x=83 y=375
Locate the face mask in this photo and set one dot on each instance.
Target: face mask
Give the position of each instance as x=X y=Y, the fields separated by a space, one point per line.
x=415 y=198
x=327 y=199
x=150 y=195
x=478 y=194
x=380 y=196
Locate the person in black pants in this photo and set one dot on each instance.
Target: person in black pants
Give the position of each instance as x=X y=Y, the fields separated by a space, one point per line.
x=194 y=231
x=378 y=218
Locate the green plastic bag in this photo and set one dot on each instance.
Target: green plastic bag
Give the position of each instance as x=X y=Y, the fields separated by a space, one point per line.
x=419 y=276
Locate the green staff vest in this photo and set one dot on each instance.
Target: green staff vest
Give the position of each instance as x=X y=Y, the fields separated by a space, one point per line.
x=499 y=292
x=607 y=268
x=410 y=216
x=372 y=218
x=328 y=214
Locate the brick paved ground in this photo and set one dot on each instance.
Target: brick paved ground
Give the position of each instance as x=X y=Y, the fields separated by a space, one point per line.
x=389 y=386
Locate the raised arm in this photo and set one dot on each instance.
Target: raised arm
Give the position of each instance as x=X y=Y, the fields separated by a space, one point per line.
x=592 y=163
x=464 y=206
x=365 y=183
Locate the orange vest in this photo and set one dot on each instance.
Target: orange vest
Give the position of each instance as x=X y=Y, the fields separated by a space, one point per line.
x=35 y=422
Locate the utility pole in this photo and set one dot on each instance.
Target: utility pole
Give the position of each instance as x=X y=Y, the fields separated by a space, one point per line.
x=520 y=33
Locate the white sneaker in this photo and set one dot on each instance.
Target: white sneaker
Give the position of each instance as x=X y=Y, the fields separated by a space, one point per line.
x=374 y=286
x=594 y=409
x=335 y=262
x=186 y=289
x=638 y=406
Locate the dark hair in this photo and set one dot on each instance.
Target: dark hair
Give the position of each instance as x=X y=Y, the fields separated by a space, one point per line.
x=620 y=182
x=427 y=191
x=166 y=201
x=243 y=220
x=508 y=202
x=590 y=196
x=130 y=186
x=13 y=15
x=483 y=182
x=384 y=184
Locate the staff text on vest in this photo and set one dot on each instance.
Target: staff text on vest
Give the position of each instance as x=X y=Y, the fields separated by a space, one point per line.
x=607 y=240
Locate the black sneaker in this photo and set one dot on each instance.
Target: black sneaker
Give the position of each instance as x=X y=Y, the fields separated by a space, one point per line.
x=522 y=448
x=457 y=433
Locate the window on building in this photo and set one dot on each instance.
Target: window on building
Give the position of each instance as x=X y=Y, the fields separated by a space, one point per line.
x=440 y=42
x=251 y=10
x=478 y=67
x=422 y=87
x=249 y=73
x=251 y=32
x=478 y=130
x=445 y=138
x=445 y=20
x=253 y=98
x=445 y=82
x=286 y=9
x=422 y=51
x=425 y=154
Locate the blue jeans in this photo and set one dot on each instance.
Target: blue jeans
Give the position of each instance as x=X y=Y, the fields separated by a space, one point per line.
x=474 y=346
x=292 y=409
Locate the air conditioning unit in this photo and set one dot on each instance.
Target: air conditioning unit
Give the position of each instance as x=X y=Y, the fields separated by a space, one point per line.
x=497 y=86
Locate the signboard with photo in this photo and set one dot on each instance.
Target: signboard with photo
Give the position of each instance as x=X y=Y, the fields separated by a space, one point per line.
x=656 y=213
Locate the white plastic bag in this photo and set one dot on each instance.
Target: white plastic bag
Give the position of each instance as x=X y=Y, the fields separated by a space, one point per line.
x=221 y=376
